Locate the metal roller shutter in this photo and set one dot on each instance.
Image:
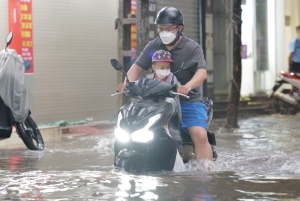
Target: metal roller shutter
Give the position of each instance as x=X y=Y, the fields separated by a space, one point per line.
x=73 y=42
x=222 y=51
x=3 y=22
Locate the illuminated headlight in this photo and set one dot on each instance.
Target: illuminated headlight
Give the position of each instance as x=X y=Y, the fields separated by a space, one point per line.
x=121 y=135
x=142 y=136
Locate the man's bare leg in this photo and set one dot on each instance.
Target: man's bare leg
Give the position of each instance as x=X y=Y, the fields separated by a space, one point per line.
x=201 y=144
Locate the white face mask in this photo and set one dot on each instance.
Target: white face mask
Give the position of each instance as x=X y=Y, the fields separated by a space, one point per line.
x=161 y=74
x=167 y=37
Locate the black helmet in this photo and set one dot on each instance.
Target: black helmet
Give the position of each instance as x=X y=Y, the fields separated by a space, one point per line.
x=169 y=16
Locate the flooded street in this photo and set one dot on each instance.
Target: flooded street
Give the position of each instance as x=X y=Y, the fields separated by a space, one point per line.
x=258 y=161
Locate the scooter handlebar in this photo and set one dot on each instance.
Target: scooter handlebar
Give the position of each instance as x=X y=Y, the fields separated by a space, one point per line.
x=172 y=92
x=118 y=93
x=115 y=94
x=176 y=93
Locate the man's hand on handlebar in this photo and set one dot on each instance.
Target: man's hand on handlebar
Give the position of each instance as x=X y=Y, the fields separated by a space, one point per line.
x=183 y=89
x=121 y=87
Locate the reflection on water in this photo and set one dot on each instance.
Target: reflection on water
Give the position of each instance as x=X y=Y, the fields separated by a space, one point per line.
x=143 y=187
x=259 y=161
x=166 y=186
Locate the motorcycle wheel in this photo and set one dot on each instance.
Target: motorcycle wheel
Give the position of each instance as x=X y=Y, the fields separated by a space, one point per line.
x=134 y=164
x=30 y=134
x=284 y=108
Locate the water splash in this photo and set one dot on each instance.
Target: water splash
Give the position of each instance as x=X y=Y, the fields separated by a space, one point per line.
x=104 y=146
x=203 y=165
x=275 y=163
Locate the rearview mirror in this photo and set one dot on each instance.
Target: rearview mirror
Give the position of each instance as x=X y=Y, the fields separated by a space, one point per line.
x=116 y=64
x=189 y=65
x=8 y=39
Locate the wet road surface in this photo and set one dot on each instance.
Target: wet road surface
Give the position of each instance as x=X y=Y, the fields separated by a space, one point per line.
x=258 y=161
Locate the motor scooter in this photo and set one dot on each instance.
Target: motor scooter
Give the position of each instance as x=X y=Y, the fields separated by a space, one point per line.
x=14 y=112
x=144 y=141
x=286 y=101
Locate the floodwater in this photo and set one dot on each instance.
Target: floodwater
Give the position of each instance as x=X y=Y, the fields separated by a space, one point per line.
x=258 y=161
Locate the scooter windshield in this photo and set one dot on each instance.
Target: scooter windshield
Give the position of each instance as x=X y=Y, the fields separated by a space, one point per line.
x=147 y=87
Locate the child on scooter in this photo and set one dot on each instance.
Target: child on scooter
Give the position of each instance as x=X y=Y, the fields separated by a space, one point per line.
x=161 y=61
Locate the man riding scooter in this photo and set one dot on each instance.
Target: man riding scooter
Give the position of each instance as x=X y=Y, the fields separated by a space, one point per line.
x=170 y=27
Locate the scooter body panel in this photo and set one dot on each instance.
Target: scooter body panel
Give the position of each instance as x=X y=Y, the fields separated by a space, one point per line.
x=6 y=121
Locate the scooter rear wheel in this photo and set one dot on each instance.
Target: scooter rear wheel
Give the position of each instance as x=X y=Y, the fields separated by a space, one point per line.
x=284 y=108
x=30 y=134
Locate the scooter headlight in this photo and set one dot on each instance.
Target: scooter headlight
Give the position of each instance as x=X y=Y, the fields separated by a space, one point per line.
x=142 y=136
x=121 y=135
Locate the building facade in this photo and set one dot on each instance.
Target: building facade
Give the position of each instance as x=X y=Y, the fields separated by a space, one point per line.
x=72 y=44
x=268 y=27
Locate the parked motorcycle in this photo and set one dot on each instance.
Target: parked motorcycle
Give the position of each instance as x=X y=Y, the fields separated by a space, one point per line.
x=14 y=110
x=286 y=101
x=143 y=142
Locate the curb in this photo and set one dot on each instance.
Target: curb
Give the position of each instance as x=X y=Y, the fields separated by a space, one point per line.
x=57 y=133
x=49 y=134
x=92 y=128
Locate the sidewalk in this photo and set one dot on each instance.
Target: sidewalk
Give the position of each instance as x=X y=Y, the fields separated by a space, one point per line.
x=92 y=128
x=57 y=133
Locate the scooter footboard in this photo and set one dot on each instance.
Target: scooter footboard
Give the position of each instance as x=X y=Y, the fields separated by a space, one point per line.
x=211 y=138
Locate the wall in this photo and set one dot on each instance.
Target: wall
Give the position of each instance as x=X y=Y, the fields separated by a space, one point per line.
x=73 y=42
x=3 y=22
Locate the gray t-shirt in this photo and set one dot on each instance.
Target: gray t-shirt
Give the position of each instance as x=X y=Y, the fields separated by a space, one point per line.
x=186 y=49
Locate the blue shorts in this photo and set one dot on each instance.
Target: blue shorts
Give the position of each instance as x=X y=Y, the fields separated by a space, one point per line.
x=193 y=114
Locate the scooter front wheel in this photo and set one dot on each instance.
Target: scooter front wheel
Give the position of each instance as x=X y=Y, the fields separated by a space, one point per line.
x=30 y=134
x=134 y=164
x=284 y=108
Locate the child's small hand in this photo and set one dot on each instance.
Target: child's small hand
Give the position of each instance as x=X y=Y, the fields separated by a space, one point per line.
x=183 y=89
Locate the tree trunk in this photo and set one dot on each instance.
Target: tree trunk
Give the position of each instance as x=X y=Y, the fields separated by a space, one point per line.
x=233 y=106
